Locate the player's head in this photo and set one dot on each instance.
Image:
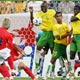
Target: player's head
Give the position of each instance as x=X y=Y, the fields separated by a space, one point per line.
x=6 y=23
x=76 y=9
x=58 y=17
x=44 y=7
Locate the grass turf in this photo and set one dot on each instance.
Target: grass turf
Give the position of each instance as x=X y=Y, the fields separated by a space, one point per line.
x=20 y=78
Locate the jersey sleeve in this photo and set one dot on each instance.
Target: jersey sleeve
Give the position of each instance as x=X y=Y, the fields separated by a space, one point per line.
x=78 y=15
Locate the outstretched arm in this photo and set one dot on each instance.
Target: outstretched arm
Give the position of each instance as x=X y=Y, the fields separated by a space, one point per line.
x=68 y=34
x=74 y=19
x=64 y=36
x=19 y=49
x=31 y=14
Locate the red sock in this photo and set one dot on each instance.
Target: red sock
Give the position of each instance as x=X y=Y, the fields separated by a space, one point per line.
x=4 y=71
x=10 y=62
x=29 y=72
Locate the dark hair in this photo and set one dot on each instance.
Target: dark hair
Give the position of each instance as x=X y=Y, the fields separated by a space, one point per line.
x=58 y=12
x=44 y=4
x=78 y=6
x=44 y=1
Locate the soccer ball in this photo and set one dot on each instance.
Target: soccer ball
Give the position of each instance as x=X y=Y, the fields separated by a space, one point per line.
x=37 y=21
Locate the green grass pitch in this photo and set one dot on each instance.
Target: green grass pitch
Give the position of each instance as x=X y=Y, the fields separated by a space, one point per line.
x=20 y=78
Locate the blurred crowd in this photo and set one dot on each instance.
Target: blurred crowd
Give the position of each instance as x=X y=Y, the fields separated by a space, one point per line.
x=8 y=7
x=65 y=6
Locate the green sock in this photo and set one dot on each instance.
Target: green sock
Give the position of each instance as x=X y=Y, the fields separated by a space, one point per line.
x=37 y=65
x=53 y=67
x=48 y=69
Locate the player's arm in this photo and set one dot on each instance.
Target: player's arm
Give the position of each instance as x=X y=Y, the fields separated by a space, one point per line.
x=18 y=57
x=73 y=18
x=68 y=34
x=19 y=49
x=64 y=36
x=31 y=14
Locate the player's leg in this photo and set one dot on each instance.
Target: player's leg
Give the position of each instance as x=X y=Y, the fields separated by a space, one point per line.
x=75 y=46
x=11 y=64
x=53 y=60
x=5 y=72
x=5 y=53
x=39 y=68
x=78 y=45
x=21 y=65
x=37 y=60
x=59 y=50
x=56 y=53
x=68 y=57
x=52 y=72
x=40 y=45
x=65 y=67
x=73 y=49
x=63 y=61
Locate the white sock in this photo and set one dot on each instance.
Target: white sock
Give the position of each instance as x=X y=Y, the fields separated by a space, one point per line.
x=37 y=56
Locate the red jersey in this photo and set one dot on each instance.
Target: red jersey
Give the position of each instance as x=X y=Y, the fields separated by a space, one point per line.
x=5 y=38
x=14 y=52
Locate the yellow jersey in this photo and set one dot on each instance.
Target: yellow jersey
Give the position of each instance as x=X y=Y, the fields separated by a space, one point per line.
x=47 y=19
x=76 y=25
x=60 y=29
x=19 y=7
